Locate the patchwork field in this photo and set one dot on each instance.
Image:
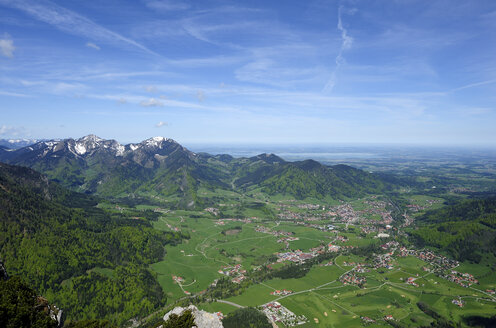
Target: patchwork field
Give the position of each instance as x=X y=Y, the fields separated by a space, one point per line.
x=238 y=242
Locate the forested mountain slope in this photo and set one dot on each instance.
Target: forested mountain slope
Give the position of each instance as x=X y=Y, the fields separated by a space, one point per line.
x=466 y=230
x=87 y=261
x=158 y=168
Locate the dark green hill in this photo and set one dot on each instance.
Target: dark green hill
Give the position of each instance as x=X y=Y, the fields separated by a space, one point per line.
x=310 y=179
x=20 y=306
x=160 y=168
x=466 y=230
x=60 y=250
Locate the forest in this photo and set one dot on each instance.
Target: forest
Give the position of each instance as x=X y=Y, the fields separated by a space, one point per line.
x=84 y=259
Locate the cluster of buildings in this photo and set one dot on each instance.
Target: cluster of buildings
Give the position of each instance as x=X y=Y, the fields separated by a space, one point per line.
x=411 y=281
x=298 y=256
x=462 y=279
x=286 y=240
x=333 y=248
x=278 y=313
x=384 y=261
x=235 y=271
x=345 y=212
x=378 y=208
x=224 y=221
x=368 y=229
x=459 y=302
x=440 y=263
x=351 y=278
x=309 y=206
x=418 y=208
x=408 y=220
x=390 y=244
x=361 y=268
x=367 y=320
x=177 y=279
x=282 y=292
x=263 y=229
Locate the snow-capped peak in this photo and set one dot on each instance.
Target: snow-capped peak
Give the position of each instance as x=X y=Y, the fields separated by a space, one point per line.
x=158 y=138
x=155 y=141
x=80 y=149
x=90 y=137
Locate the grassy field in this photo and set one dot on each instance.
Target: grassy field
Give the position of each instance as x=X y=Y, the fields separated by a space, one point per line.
x=319 y=295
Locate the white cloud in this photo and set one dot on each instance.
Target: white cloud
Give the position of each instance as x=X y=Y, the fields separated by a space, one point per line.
x=12 y=131
x=200 y=95
x=7 y=47
x=70 y=22
x=92 y=45
x=152 y=102
x=161 y=124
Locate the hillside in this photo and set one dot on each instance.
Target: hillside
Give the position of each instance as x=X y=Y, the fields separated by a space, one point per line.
x=466 y=230
x=61 y=250
x=160 y=169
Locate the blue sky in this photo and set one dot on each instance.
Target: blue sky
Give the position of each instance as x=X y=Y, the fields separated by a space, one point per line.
x=368 y=71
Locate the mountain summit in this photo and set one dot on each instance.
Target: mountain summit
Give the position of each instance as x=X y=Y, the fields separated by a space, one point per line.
x=158 y=168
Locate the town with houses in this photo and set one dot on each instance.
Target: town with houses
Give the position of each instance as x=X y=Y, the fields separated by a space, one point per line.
x=375 y=219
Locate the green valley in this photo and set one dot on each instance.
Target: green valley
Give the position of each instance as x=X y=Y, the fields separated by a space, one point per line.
x=299 y=243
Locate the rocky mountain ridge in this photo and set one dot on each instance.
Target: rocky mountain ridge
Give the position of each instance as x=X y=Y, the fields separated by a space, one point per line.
x=160 y=167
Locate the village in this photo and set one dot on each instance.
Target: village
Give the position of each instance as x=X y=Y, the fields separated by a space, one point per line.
x=342 y=226
x=235 y=271
x=278 y=313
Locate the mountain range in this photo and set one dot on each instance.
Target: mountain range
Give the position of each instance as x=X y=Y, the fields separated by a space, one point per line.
x=159 y=168
x=17 y=143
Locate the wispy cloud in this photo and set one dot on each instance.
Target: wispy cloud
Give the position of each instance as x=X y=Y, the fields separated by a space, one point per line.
x=473 y=85
x=151 y=88
x=161 y=124
x=7 y=47
x=167 y=5
x=92 y=45
x=269 y=72
x=477 y=111
x=62 y=88
x=347 y=41
x=12 y=131
x=70 y=22
x=13 y=94
x=152 y=102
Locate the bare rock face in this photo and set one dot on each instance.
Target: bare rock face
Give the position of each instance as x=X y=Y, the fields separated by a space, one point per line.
x=3 y=272
x=203 y=319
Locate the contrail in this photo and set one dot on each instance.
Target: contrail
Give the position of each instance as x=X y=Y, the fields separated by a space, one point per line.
x=345 y=45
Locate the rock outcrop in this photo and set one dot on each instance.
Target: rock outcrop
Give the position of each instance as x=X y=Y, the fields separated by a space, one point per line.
x=203 y=319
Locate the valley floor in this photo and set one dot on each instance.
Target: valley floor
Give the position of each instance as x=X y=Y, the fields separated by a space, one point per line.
x=351 y=285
